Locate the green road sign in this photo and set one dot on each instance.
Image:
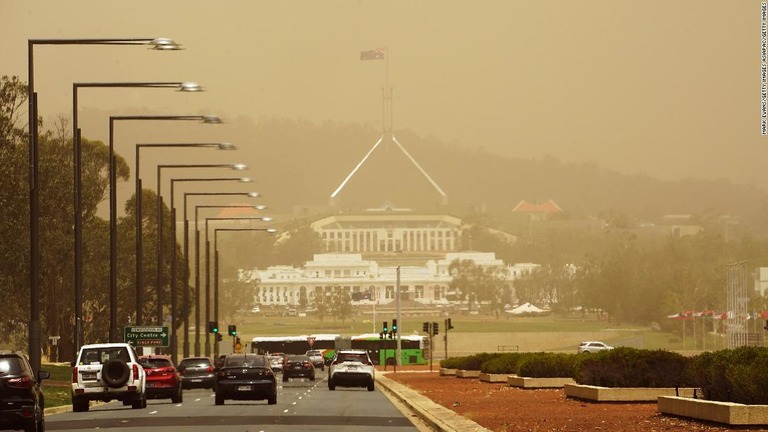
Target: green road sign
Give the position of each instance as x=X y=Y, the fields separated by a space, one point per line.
x=146 y=336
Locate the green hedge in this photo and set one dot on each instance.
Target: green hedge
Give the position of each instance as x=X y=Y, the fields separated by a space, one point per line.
x=506 y=363
x=547 y=365
x=630 y=367
x=739 y=375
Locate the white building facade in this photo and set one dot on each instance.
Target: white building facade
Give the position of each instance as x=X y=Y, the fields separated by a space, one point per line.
x=365 y=279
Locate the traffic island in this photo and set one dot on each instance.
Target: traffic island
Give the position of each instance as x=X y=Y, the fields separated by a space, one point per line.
x=623 y=394
x=493 y=378
x=462 y=373
x=720 y=412
x=538 y=383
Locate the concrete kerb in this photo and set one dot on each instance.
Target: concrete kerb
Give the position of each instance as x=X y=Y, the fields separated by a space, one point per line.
x=435 y=415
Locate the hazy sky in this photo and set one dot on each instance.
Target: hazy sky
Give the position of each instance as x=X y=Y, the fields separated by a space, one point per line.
x=667 y=88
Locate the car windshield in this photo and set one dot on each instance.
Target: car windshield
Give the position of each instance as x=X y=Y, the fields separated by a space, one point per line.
x=247 y=361
x=103 y=355
x=10 y=365
x=155 y=363
x=349 y=357
x=190 y=363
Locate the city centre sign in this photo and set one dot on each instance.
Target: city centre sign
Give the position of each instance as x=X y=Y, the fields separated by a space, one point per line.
x=145 y=336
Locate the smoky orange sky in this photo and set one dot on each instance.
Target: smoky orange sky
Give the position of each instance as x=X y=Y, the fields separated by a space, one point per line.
x=666 y=88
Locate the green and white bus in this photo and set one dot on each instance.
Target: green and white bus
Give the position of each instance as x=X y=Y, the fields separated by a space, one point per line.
x=382 y=351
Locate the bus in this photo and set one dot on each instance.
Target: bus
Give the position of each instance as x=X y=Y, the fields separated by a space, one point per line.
x=382 y=351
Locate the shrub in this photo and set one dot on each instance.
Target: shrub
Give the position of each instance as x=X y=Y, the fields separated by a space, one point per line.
x=506 y=363
x=547 y=365
x=473 y=362
x=739 y=375
x=630 y=367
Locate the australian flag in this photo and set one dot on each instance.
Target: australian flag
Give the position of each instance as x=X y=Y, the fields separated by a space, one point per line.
x=374 y=54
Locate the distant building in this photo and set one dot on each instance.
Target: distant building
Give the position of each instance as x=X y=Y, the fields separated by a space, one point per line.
x=365 y=279
x=537 y=211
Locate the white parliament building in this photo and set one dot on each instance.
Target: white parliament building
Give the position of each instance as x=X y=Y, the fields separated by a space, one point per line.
x=366 y=253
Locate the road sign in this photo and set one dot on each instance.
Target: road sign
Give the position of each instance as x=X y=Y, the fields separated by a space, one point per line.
x=145 y=336
x=311 y=341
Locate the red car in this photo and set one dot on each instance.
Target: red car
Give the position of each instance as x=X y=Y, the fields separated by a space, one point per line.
x=163 y=380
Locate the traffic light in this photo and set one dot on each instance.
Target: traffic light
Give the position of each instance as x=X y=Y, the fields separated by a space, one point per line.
x=435 y=328
x=425 y=327
x=219 y=337
x=394 y=326
x=386 y=327
x=448 y=325
x=232 y=330
x=213 y=327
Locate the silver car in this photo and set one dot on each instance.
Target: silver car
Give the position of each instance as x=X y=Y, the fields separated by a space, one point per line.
x=593 y=347
x=317 y=359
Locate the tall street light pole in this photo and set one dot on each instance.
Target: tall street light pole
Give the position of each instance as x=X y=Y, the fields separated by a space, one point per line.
x=174 y=340
x=216 y=270
x=34 y=342
x=197 y=262
x=78 y=198
x=139 y=195
x=197 y=279
x=160 y=220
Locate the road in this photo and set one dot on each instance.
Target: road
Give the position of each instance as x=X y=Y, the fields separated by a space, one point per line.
x=301 y=405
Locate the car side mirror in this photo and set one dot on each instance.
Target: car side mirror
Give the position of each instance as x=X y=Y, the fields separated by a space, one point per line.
x=41 y=375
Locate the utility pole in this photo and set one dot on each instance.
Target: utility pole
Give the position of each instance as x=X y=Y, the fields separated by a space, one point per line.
x=397 y=335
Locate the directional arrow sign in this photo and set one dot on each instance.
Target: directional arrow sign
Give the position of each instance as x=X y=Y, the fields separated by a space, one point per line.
x=146 y=336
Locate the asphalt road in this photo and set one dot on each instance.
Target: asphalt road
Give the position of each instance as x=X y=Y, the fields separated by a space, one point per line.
x=301 y=405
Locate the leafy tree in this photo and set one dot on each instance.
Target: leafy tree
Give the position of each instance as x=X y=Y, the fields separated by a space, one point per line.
x=341 y=303
x=465 y=274
x=321 y=302
x=297 y=245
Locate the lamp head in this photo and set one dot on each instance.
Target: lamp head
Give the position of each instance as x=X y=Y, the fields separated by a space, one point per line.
x=190 y=87
x=164 y=44
x=239 y=167
x=260 y=207
x=226 y=146
x=246 y=180
x=254 y=194
x=211 y=119
x=271 y=230
x=266 y=219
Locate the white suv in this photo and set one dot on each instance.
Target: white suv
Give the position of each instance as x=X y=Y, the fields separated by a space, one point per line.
x=106 y=372
x=593 y=347
x=351 y=368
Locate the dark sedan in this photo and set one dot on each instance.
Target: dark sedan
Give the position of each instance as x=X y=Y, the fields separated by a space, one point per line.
x=21 y=399
x=246 y=377
x=197 y=372
x=298 y=366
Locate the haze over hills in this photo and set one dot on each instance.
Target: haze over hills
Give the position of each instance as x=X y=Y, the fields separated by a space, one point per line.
x=297 y=162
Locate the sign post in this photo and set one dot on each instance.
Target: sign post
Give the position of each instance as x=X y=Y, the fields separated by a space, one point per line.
x=146 y=336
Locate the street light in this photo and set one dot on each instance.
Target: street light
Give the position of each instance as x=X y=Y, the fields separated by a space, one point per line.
x=197 y=275
x=197 y=264
x=238 y=167
x=138 y=193
x=216 y=269
x=34 y=342
x=174 y=342
x=77 y=158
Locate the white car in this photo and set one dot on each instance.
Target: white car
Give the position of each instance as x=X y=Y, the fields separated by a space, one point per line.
x=593 y=347
x=351 y=368
x=106 y=372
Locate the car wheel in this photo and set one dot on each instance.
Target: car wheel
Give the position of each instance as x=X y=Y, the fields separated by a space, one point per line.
x=80 y=405
x=331 y=385
x=219 y=399
x=37 y=424
x=178 y=397
x=285 y=378
x=370 y=386
x=312 y=377
x=140 y=402
x=272 y=399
